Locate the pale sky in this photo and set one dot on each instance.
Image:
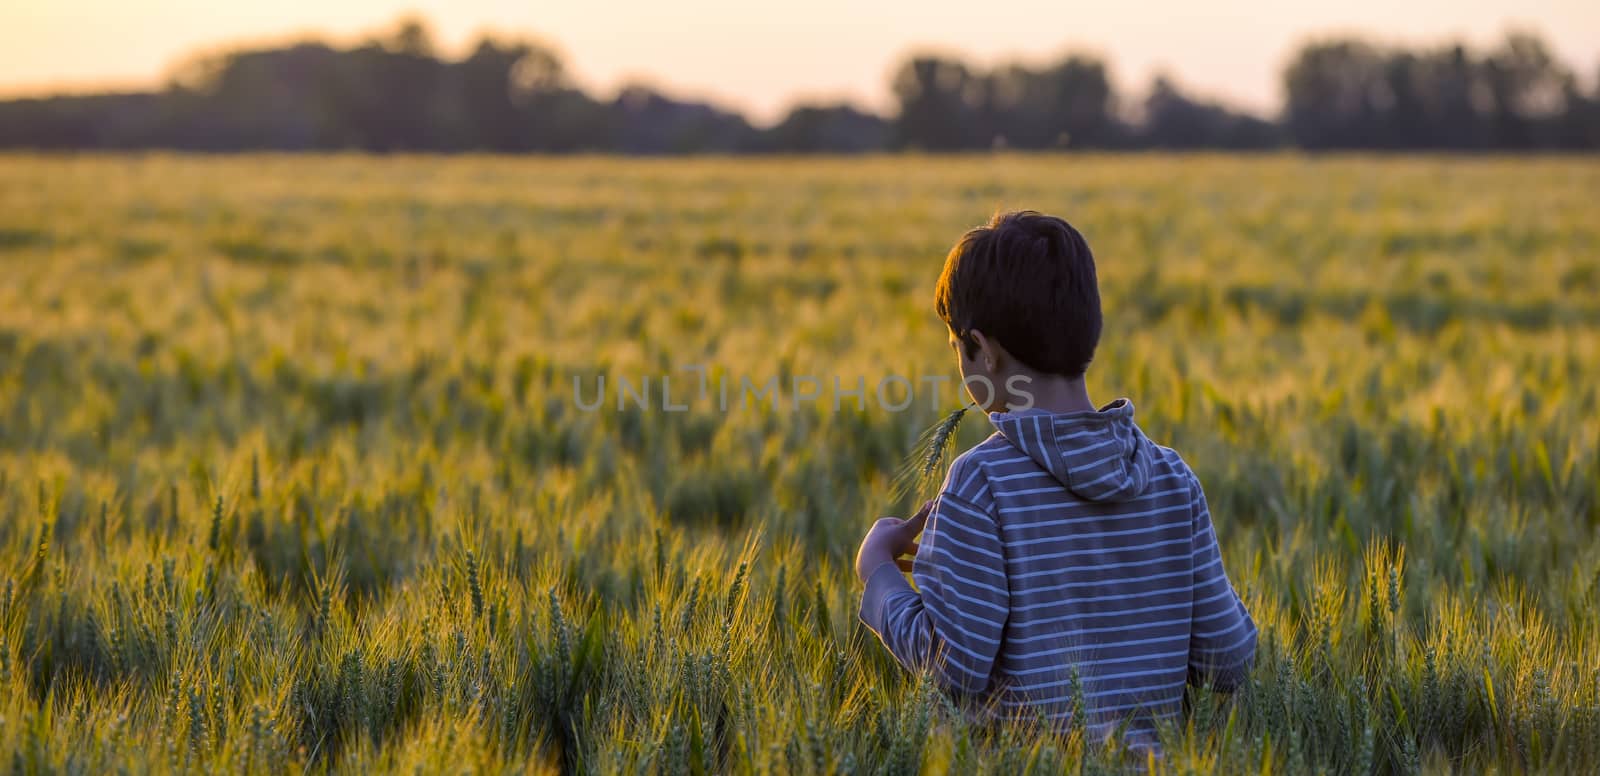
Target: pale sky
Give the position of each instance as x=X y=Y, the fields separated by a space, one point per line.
x=761 y=57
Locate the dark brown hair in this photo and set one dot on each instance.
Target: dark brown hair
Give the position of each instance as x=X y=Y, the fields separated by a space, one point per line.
x=1026 y=280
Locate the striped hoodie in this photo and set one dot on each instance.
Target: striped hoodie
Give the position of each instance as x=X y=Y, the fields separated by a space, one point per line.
x=1067 y=560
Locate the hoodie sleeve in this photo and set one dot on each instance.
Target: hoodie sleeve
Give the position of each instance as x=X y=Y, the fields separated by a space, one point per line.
x=953 y=626
x=1222 y=640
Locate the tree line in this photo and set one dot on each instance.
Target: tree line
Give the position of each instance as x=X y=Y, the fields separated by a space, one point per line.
x=395 y=92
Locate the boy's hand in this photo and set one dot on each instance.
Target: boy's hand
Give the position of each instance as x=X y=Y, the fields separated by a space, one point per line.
x=888 y=539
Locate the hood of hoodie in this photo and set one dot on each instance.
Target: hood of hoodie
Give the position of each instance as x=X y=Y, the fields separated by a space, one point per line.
x=1099 y=456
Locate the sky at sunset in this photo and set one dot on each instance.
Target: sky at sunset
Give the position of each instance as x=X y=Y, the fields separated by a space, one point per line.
x=761 y=57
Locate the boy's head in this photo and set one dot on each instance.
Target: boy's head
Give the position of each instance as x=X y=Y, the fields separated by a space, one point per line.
x=1021 y=289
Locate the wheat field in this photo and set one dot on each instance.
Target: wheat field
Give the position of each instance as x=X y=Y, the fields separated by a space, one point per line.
x=294 y=474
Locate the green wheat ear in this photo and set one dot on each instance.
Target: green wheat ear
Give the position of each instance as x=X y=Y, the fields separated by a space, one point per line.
x=920 y=471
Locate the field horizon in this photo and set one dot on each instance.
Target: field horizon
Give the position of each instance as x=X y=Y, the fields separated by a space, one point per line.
x=296 y=473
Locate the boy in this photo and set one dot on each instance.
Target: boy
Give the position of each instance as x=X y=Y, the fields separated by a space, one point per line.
x=1067 y=559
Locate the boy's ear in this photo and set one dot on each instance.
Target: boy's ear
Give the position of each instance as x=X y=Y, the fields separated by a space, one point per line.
x=989 y=351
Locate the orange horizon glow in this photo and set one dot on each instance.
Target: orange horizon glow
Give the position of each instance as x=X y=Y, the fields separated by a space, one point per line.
x=762 y=60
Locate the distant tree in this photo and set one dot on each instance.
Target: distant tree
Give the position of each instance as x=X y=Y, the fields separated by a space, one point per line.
x=396 y=92
x=945 y=105
x=399 y=86
x=282 y=99
x=1075 y=106
x=557 y=116
x=1336 y=92
x=1067 y=103
x=483 y=101
x=1174 y=120
x=1350 y=94
x=936 y=98
x=489 y=99
x=1447 y=101
x=411 y=37
x=1581 y=125
x=112 y=121
x=643 y=121
x=827 y=128
x=1529 y=89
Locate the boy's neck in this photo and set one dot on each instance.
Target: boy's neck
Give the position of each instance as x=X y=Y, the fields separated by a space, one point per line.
x=1058 y=394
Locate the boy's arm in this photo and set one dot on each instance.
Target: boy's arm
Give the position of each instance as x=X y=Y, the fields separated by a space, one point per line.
x=954 y=625
x=1222 y=639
